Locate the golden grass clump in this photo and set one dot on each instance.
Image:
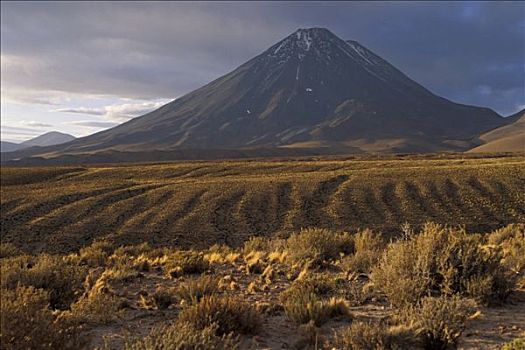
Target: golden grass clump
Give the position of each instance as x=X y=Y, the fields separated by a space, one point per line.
x=182 y=336
x=227 y=314
x=308 y=300
x=96 y=254
x=28 y=323
x=193 y=290
x=441 y=261
x=317 y=246
x=185 y=262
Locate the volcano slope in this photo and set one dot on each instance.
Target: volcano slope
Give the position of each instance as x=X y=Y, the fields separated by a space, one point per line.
x=198 y=204
x=311 y=90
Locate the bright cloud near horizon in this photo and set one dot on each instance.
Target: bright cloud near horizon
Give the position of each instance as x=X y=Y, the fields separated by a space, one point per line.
x=82 y=67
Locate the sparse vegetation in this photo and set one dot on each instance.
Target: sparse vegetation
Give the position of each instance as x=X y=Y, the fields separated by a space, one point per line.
x=315 y=254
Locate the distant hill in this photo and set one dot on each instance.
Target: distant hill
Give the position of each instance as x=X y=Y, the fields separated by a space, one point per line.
x=9 y=146
x=48 y=139
x=508 y=138
x=312 y=90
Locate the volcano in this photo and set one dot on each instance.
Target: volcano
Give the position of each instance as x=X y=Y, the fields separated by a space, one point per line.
x=310 y=90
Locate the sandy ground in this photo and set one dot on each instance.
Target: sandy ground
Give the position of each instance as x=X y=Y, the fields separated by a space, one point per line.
x=496 y=326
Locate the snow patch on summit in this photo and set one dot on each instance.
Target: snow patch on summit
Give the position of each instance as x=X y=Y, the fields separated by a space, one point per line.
x=304 y=40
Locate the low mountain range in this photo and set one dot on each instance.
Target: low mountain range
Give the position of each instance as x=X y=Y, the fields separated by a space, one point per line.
x=48 y=139
x=310 y=93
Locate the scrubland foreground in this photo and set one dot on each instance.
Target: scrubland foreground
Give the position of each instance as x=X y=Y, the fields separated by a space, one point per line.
x=360 y=254
x=437 y=288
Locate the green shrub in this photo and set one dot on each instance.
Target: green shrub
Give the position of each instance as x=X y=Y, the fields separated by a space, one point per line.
x=317 y=246
x=62 y=279
x=227 y=314
x=441 y=261
x=182 y=336
x=193 y=290
x=28 y=323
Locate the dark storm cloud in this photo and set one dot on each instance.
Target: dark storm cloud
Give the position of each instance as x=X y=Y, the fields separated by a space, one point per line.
x=470 y=52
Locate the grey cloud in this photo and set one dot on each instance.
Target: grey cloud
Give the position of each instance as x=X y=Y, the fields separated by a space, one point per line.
x=94 y=124
x=162 y=50
x=81 y=110
x=37 y=124
x=118 y=112
x=20 y=130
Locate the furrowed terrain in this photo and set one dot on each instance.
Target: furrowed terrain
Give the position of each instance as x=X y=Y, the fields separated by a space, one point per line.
x=198 y=204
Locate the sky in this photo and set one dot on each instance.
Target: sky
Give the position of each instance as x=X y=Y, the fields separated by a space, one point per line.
x=82 y=67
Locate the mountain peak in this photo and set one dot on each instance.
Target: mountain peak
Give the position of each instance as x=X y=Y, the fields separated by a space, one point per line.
x=310 y=88
x=314 y=42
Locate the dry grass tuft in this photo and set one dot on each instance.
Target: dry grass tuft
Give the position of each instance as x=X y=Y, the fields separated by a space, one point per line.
x=228 y=314
x=193 y=290
x=182 y=336
x=306 y=301
x=317 y=246
x=185 y=262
